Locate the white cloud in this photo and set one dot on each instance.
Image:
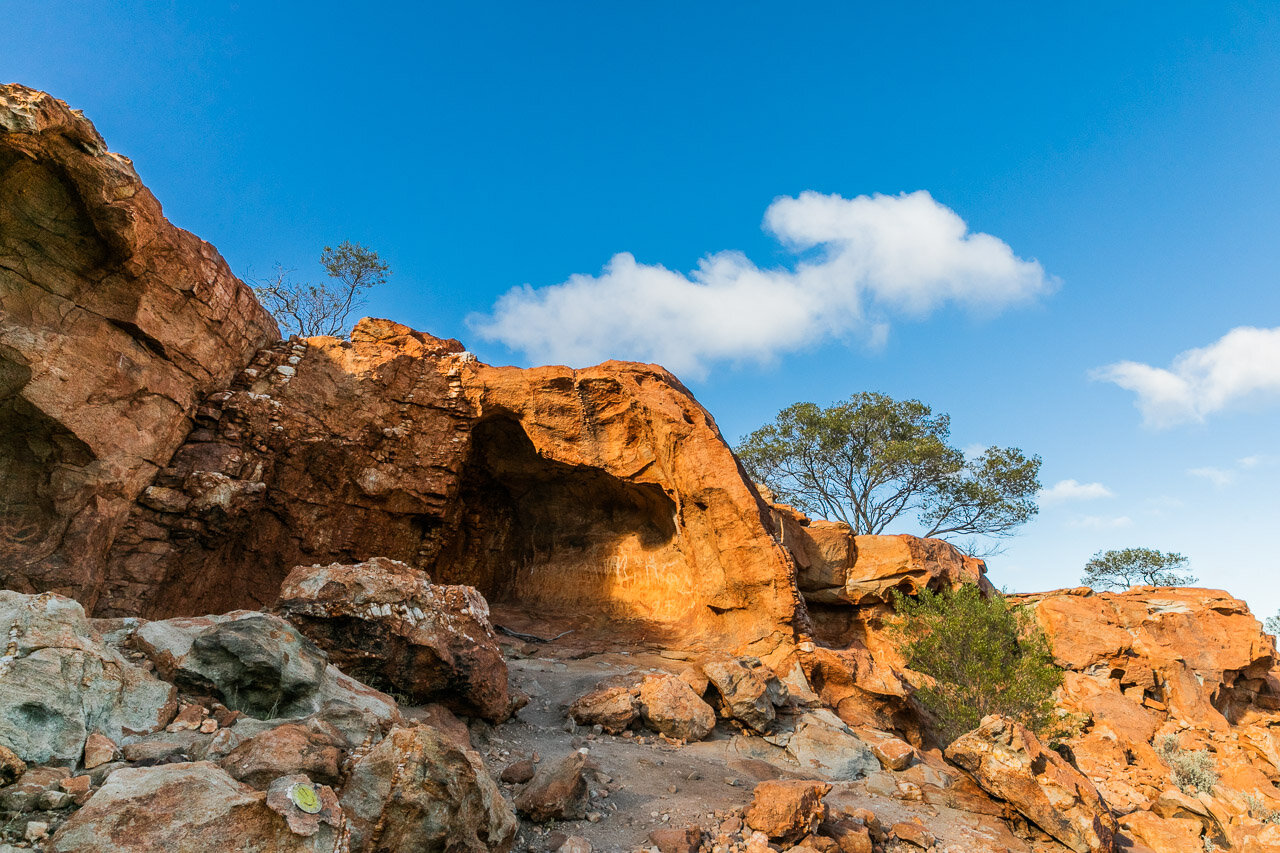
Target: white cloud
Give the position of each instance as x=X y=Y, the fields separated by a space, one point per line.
x=858 y=261
x=1218 y=476
x=1070 y=490
x=1243 y=364
x=1098 y=522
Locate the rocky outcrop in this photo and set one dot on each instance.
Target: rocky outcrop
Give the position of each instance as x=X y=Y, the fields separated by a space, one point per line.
x=1009 y=762
x=385 y=623
x=59 y=684
x=834 y=566
x=603 y=494
x=418 y=790
x=114 y=325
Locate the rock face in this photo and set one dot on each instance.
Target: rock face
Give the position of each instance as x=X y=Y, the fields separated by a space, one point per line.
x=417 y=790
x=59 y=684
x=114 y=325
x=833 y=566
x=385 y=623
x=605 y=493
x=183 y=807
x=260 y=664
x=1009 y=762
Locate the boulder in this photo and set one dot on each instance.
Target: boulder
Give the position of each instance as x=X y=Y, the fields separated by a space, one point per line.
x=316 y=750
x=827 y=748
x=385 y=623
x=177 y=807
x=11 y=766
x=114 y=324
x=254 y=662
x=59 y=684
x=670 y=706
x=1009 y=762
x=558 y=791
x=417 y=790
x=787 y=810
x=685 y=839
x=747 y=690
x=614 y=709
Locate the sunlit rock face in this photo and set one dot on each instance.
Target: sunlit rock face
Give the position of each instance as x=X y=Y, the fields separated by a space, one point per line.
x=605 y=493
x=113 y=325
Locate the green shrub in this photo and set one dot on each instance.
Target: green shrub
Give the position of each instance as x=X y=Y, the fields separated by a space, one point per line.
x=984 y=656
x=1194 y=770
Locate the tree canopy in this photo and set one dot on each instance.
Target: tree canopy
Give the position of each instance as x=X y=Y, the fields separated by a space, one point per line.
x=309 y=309
x=1126 y=567
x=870 y=460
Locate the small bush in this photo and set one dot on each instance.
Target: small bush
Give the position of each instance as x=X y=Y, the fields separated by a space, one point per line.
x=1259 y=809
x=1194 y=770
x=984 y=657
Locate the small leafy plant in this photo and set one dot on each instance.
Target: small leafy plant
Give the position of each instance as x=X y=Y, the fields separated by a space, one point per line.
x=983 y=656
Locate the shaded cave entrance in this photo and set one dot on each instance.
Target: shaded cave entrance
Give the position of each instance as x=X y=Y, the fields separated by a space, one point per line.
x=546 y=541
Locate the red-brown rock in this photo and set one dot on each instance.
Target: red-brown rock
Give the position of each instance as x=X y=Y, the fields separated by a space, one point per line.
x=558 y=791
x=1009 y=762
x=606 y=495
x=114 y=325
x=385 y=623
x=787 y=810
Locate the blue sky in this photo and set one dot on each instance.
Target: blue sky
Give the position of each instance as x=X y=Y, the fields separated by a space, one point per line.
x=1122 y=158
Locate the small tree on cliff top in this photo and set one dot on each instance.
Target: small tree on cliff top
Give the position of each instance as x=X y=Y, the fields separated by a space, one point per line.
x=872 y=459
x=1121 y=569
x=307 y=309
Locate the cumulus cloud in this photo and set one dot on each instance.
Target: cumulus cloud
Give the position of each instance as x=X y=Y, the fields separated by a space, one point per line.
x=1071 y=490
x=858 y=262
x=1242 y=365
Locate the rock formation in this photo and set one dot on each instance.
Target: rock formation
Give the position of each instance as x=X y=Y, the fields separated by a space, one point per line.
x=175 y=468
x=114 y=325
x=605 y=493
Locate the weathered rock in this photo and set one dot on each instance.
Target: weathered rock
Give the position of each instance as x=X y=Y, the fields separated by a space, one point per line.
x=851 y=836
x=836 y=567
x=11 y=766
x=1198 y=654
x=572 y=492
x=385 y=623
x=315 y=750
x=685 y=839
x=1009 y=762
x=181 y=807
x=893 y=753
x=113 y=325
x=518 y=772
x=418 y=790
x=612 y=708
x=744 y=695
x=787 y=810
x=670 y=706
x=58 y=683
x=826 y=747
x=558 y=791
x=913 y=833
x=254 y=662
x=24 y=794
